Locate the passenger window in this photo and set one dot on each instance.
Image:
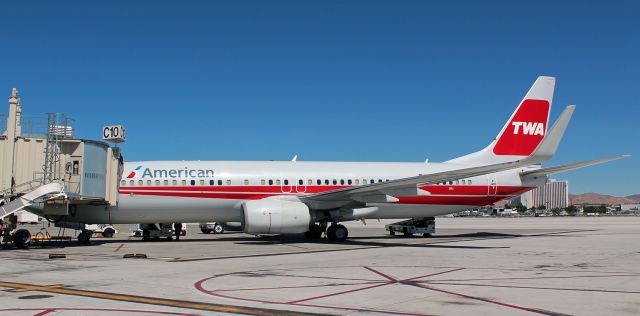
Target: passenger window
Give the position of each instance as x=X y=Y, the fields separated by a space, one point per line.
x=309 y=182
x=263 y=182
x=379 y=180
x=335 y=181
x=278 y=182
x=201 y=182
x=131 y=182
x=193 y=182
x=357 y=181
x=450 y=182
x=228 y=182
x=349 y=182
x=270 y=182
x=184 y=182
x=140 y=182
x=211 y=182
x=319 y=182
x=326 y=181
x=286 y=182
x=174 y=182
x=469 y=182
x=300 y=182
x=123 y=183
x=387 y=180
x=166 y=182
x=219 y=182
x=372 y=181
x=246 y=182
x=464 y=182
x=157 y=182
x=341 y=181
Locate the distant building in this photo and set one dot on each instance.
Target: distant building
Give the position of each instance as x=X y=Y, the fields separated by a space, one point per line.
x=630 y=208
x=553 y=194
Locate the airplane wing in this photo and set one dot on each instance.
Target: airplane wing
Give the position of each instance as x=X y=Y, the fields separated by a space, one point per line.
x=558 y=169
x=385 y=191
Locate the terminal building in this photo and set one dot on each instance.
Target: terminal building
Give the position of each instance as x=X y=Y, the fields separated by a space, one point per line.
x=553 y=194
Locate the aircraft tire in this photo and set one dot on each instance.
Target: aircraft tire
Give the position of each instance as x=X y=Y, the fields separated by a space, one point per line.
x=206 y=231
x=314 y=232
x=108 y=233
x=218 y=229
x=84 y=238
x=337 y=232
x=22 y=239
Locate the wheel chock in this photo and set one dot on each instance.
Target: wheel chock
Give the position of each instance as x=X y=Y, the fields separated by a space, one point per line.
x=134 y=256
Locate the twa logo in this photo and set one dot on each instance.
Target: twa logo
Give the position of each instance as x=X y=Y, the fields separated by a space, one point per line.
x=528 y=128
x=133 y=173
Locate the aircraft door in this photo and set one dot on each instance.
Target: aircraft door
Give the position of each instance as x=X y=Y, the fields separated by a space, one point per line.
x=492 y=184
x=301 y=187
x=285 y=186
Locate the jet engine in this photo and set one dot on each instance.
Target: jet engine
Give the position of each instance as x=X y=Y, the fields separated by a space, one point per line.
x=273 y=216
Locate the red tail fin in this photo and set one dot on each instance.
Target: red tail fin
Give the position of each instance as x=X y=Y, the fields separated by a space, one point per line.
x=527 y=126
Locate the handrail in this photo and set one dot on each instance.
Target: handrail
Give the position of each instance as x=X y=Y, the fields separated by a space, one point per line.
x=30 y=185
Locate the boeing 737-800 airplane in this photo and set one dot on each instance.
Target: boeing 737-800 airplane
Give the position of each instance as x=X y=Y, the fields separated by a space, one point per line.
x=287 y=197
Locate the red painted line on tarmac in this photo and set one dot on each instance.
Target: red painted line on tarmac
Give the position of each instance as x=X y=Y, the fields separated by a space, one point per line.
x=338 y=293
x=119 y=247
x=432 y=274
x=297 y=287
x=539 y=288
x=44 y=312
x=486 y=300
x=199 y=286
x=363 y=310
x=329 y=278
x=539 y=278
x=390 y=278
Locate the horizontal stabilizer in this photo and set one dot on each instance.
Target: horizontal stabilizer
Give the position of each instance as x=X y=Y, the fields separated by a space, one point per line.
x=549 y=144
x=558 y=169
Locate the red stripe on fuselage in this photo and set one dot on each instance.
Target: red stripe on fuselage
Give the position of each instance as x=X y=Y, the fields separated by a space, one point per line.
x=440 y=194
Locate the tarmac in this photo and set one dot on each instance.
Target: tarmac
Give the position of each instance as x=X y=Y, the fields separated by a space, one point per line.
x=496 y=266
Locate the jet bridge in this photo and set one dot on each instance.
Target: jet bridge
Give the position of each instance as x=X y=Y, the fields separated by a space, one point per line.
x=42 y=164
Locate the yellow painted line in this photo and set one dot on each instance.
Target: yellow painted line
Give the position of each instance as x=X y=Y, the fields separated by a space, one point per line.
x=59 y=289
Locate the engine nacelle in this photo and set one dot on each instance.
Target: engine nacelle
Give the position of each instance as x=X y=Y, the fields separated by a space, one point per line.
x=275 y=217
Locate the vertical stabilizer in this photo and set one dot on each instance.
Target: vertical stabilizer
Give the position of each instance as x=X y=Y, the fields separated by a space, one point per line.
x=525 y=129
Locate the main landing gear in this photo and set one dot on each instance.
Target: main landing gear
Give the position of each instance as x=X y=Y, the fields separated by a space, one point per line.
x=84 y=237
x=335 y=232
x=315 y=231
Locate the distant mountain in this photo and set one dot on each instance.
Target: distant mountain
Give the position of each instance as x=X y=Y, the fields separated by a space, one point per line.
x=635 y=197
x=595 y=198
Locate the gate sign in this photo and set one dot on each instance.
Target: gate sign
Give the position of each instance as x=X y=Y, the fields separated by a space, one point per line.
x=114 y=133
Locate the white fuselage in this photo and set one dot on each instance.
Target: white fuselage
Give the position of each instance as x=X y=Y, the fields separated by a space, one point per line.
x=200 y=191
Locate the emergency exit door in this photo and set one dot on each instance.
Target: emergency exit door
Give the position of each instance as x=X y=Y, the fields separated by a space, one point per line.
x=492 y=184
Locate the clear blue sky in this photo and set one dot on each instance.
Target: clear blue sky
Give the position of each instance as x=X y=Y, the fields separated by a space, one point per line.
x=330 y=80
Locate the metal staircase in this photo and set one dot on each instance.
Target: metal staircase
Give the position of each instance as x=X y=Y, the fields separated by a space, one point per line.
x=19 y=201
